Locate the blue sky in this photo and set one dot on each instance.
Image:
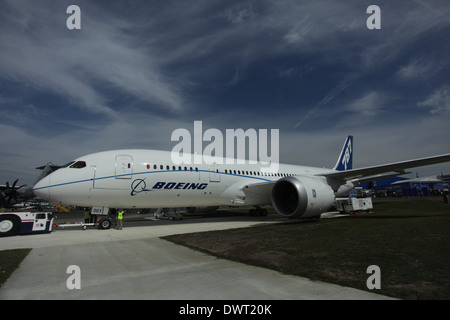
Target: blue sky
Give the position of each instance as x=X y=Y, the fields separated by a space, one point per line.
x=138 y=70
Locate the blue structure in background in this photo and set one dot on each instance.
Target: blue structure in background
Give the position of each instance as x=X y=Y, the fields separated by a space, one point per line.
x=398 y=186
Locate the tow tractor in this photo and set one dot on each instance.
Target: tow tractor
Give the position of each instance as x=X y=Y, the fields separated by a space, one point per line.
x=352 y=205
x=13 y=223
x=357 y=201
x=103 y=222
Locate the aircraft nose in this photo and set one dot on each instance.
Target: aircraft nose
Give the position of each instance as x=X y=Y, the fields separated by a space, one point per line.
x=41 y=188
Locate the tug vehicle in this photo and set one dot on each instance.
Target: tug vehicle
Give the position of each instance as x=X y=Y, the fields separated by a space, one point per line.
x=13 y=223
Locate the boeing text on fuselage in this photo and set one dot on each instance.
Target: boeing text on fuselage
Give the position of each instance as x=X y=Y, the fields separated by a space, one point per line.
x=139 y=185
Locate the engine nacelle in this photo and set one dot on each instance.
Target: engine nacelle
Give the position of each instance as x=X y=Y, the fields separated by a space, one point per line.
x=302 y=197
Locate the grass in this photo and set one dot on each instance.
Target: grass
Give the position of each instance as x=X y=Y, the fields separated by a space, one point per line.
x=9 y=261
x=409 y=240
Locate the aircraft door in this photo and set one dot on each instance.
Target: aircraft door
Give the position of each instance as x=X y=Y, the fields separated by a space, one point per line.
x=94 y=171
x=124 y=166
x=214 y=175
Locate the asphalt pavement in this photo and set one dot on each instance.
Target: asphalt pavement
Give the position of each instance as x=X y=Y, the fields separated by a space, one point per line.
x=134 y=263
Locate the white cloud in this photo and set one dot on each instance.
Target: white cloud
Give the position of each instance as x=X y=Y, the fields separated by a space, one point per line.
x=241 y=13
x=418 y=69
x=368 y=105
x=37 y=49
x=403 y=26
x=439 y=101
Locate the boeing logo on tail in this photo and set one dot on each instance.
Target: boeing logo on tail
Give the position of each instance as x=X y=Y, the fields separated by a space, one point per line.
x=345 y=161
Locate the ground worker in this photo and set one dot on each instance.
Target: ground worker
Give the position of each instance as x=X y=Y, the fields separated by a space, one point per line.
x=120 y=219
x=86 y=216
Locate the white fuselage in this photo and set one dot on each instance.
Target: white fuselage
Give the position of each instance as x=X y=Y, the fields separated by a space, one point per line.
x=150 y=179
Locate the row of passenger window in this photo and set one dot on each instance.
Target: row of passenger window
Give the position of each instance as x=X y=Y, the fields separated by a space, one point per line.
x=174 y=168
x=239 y=172
x=257 y=173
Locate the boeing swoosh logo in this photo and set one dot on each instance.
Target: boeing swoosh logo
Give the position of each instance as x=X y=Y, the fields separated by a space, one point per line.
x=138 y=186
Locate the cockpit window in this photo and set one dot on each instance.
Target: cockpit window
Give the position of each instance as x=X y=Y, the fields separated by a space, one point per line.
x=67 y=164
x=78 y=165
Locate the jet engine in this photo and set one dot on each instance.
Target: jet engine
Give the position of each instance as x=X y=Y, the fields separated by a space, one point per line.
x=302 y=197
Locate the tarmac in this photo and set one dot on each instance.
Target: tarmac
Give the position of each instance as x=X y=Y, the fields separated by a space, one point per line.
x=135 y=264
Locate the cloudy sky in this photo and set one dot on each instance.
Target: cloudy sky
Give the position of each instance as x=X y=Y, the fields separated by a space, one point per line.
x=137 y=70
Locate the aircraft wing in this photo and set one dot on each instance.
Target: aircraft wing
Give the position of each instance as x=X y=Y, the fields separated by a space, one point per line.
x=262 y=191
x=398 y=167
x=259 y=192
x=424 y=180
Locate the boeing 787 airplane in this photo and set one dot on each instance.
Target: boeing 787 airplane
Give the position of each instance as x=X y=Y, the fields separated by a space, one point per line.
x=150 y=179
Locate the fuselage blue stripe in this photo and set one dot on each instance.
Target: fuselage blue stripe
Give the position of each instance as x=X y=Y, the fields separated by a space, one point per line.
x=140 y=173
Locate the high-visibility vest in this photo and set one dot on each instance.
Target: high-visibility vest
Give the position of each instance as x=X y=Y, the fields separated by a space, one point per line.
x=120 y=217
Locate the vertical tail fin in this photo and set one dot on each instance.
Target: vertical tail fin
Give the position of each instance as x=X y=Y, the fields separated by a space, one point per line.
x=345 y=161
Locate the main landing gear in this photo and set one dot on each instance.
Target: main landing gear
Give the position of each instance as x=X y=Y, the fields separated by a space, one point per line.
x=257 y=212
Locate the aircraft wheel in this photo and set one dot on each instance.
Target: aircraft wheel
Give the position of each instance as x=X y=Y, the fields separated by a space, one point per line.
x=9 y=225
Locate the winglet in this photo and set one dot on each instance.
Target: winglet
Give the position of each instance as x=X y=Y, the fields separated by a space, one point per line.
x=345 y=161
